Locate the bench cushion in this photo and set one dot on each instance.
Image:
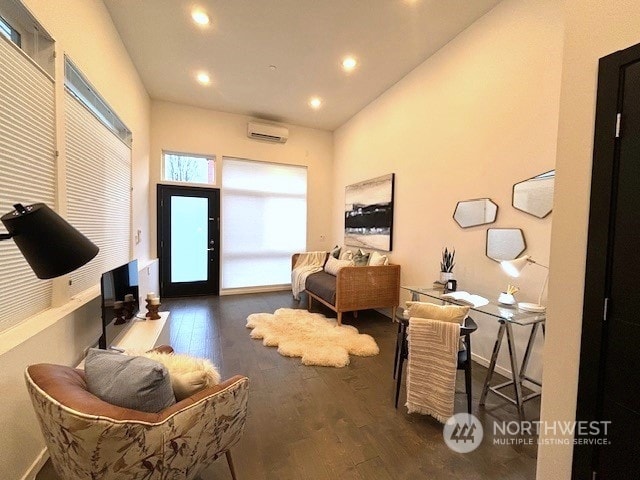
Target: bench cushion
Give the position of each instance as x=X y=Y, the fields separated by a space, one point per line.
x=323 y=285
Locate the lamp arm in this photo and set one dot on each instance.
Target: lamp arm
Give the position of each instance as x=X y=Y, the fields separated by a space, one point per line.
x=531 y=260
x=544 y=285
x=5 y=236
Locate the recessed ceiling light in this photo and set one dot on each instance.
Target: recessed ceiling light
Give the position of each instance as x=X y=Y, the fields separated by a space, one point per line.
x=315 y=103
x=200 y=17
x=203 y=78
x=349 y=63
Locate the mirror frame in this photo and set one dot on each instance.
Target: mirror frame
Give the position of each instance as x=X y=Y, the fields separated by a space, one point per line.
x=513 y=194
x=524 y=244
x=475 y=200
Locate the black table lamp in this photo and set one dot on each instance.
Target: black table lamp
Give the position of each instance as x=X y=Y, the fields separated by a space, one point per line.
x=51 y=246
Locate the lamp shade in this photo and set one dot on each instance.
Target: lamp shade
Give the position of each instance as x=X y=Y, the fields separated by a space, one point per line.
x=51 y=246
x=514 y=267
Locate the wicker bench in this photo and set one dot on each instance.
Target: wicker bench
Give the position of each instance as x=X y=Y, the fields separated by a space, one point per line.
x=355 y=288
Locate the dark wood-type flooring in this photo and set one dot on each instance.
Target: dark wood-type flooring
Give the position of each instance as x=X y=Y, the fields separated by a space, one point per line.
x=333 y=423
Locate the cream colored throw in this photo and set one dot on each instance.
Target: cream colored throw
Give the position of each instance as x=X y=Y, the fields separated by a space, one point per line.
x=431 y=367
x=307 y=263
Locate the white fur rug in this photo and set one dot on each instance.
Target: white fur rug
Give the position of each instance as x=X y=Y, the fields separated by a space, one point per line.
x=312 y=336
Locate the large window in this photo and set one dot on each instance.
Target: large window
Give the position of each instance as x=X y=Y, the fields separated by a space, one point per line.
x=27 y=173
x=188 y=168
x=81 y=89
x=264 y=221
x=98 y=178
x=10 y=32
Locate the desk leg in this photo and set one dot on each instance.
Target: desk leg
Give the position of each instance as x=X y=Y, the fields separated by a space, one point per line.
x=492 y=364
x=527 y=352
x=515 y=371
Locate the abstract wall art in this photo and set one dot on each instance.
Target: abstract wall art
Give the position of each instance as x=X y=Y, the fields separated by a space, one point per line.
x=368 y=213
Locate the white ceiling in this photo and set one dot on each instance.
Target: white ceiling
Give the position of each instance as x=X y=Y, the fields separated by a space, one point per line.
x=305 y=39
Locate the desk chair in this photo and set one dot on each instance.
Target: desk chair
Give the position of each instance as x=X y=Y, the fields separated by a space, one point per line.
x=464 y=355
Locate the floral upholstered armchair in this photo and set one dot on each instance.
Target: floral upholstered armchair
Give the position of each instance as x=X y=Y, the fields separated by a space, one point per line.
x=88 y=438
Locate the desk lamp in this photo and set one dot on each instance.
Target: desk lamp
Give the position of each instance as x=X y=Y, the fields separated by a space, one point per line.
x=513 y=269
x=51 y=246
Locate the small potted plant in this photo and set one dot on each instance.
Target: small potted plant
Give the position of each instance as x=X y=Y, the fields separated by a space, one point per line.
x=446 y=265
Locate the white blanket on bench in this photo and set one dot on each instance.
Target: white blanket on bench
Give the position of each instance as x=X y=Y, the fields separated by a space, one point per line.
x=307 y=263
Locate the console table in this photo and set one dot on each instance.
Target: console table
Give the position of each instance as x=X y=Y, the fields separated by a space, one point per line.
x=144 y=334
x=507 y=316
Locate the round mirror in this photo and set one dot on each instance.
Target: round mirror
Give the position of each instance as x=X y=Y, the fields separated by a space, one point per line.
x=470 y=213
x=535 y=195
x=505 y=243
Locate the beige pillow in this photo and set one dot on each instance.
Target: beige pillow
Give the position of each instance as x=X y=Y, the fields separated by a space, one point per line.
x=333 y=266
x=445 y=313
x=188 y=374
x=376 y=259
x=346 y=255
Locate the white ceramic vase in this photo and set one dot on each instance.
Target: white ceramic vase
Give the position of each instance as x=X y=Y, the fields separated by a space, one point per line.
x=506 y=298
x=445 y=276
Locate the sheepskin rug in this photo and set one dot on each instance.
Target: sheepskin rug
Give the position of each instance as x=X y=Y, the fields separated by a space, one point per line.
x=312 y=336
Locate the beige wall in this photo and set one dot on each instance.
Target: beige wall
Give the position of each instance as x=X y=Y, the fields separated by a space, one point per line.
x=475 y=118
x=187 y=129
x=83 y=30
x=593 y=29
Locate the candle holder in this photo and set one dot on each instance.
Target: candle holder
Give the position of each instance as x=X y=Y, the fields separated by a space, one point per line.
x=129 y=307
x=152 y=309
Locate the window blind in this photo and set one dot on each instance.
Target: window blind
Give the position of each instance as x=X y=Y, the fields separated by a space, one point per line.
x=27 y=173
x=264 y=221
x=98 y=191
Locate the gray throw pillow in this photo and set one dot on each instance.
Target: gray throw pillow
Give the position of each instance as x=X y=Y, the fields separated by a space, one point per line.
x=361 y=259
x=138 y=383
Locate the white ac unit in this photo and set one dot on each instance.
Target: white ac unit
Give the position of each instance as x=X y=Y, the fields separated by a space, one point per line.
x=267 y=132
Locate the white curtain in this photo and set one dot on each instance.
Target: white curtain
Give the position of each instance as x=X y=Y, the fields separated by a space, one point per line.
x=98 y=191
x=27 y=173
x=264 y=221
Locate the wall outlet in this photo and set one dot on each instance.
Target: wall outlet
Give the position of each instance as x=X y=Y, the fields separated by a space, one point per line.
x=323 y=238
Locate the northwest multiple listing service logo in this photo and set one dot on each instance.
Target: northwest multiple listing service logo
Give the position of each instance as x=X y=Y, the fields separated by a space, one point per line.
x=463 y=433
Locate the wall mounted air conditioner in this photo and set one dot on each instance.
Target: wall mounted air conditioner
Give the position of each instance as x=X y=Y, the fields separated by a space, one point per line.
x=267 y=132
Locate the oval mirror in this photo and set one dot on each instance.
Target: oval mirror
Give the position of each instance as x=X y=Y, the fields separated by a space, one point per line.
x=505 y=243
x=535 y=195
x=470 y=213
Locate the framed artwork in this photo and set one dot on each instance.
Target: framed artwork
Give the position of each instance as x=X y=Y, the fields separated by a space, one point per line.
x=368 y=213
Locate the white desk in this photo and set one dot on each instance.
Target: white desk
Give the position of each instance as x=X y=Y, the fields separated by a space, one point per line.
x=507 y=316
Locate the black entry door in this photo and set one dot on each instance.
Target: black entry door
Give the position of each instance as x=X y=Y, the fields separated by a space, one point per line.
x=610 y=357
x=188 y=240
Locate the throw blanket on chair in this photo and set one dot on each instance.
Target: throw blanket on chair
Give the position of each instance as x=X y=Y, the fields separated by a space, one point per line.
x=431 y=367
x=308 y=263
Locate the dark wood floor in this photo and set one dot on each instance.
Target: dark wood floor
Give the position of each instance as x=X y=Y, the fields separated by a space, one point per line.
x=326 y=423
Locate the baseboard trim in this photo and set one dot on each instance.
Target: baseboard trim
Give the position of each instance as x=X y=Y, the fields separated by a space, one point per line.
x=246 y=290
x=37 y=465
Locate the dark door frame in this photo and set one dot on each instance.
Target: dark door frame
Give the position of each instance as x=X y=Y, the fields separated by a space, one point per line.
x=600 y=237
x=213 y=267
